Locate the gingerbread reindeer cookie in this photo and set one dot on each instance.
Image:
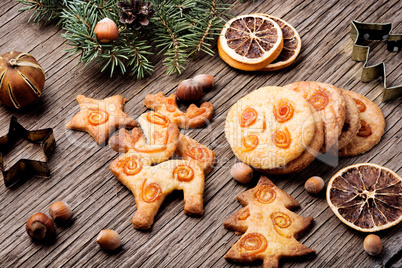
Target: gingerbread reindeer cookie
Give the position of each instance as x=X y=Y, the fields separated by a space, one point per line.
x=151 y=184
x=269 y=228
x=195 y=117
x=100 y=117
x=189 y=149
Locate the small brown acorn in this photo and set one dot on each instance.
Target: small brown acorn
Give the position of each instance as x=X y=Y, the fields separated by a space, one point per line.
x=21 y=79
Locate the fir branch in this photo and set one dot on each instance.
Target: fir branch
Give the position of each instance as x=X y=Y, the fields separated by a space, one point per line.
x=43 y=10
x=169 y=23
x=183 y=28
x=205 y=25
x=179 y=29
x=137 y=51
x=79 y=31
x=125 y=52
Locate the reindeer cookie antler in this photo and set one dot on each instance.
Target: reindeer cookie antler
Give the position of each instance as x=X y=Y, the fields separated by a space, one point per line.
x=270 y=228
x=194 y=117
x=189 y=149
x=151 y=184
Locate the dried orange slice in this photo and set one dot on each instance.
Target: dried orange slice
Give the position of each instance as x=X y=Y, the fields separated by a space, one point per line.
x=366 y=197
x=291 y=45
x=250 y=42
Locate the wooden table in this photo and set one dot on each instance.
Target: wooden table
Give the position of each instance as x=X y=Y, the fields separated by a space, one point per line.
x=80 y=169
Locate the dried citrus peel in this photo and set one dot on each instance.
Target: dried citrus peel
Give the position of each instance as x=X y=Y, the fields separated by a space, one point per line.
x=366 y=197
x=250 y=143
x=250 y=42
x=183 y=173
x=158 y=119
x=283 y=112
x=248 y=117
x=365 y=129
x=97 y=116
x=253 y=243
x=151 y=193
x=291 y=45
x=131 y=165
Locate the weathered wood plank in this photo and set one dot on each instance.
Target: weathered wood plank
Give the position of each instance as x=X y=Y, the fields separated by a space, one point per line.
x=80 y=173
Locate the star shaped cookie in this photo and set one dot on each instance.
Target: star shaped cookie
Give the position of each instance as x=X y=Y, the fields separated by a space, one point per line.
x=100 y=117
x=269 y=228
x=151 y=183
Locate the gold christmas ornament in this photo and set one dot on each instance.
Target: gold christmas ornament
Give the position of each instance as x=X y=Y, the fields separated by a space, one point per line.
x=21 y=79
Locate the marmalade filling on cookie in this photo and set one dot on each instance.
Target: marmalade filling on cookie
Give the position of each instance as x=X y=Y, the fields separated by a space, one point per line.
x=183 y=173
x=253 y=243
x=151 y=193
x=97 y=116
x=319 y=100
x=131 y=165
x=365 y=129
x=248 y=117
x=244 y=215
x=250 y=143
x=283 y=112
x=281 y=138
x=280 y=221
x=360 y=105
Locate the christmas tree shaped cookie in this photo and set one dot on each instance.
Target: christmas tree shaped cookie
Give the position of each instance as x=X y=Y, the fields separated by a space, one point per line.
x=150 y=183
x=269 y=228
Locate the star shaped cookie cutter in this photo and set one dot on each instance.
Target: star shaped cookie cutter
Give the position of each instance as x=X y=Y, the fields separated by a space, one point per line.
x=25 y=168
x=375 y=31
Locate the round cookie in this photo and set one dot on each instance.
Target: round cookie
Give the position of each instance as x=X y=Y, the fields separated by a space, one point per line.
x=352 y=121
x=372 y=125
x=328 y=101
x=269 y=127
x=309 y=154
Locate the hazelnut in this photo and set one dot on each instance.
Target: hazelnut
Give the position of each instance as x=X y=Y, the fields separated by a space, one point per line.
x=108 y=239
x=372 y=244
x=106 y=30
x=206 y=81
x=241 y=172
x=60 y=211
x=189 y=90
x=39 y=226
x=314 y=185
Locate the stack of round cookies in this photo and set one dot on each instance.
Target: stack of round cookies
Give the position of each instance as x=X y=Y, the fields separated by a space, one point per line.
x=258 y=42
x=278 y=131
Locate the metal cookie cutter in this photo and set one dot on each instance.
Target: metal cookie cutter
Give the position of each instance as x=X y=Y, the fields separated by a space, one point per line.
x=25 y=168
x=375 y=31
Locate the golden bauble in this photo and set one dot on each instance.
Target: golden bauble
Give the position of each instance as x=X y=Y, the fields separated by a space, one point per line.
x=21 y=79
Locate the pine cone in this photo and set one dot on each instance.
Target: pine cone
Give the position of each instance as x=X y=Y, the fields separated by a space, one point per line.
x=135 y=13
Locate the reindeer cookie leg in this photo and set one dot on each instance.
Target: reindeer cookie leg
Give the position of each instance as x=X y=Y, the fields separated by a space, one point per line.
x=148 y=198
